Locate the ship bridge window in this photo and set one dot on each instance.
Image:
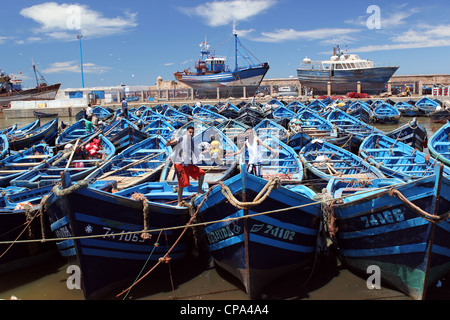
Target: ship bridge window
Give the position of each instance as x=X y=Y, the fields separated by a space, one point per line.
x=353 y=65
x=338 y=66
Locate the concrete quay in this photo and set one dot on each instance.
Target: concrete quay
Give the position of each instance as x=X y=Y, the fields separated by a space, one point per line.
x=72 y=110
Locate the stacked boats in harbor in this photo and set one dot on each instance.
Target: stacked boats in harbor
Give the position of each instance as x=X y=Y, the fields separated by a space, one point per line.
x=104 y=196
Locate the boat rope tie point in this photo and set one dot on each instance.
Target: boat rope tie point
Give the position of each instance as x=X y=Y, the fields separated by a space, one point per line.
x=146 y=210
x=425 y=215
x=274 y=183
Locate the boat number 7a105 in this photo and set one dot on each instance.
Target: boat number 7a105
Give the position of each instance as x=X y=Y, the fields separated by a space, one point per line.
x=389 y=216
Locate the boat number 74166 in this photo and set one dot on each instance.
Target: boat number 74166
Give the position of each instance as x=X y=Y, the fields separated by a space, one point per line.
x=389 y=216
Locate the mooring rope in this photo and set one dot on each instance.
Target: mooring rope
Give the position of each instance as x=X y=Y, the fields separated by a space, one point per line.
x=425 y=215
x=274 y=183
x=166 y=258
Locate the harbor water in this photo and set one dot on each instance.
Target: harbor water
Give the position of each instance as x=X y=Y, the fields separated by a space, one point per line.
x=332 y=281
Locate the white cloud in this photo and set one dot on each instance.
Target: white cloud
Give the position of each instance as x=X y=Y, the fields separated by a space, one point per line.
x=74 y=67
x=328 y=34
x=219 y=13
x=62 y=21
x=390 y=18
x=423 y=36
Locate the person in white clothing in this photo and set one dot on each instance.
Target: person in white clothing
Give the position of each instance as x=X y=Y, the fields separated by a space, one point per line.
x=253 y=144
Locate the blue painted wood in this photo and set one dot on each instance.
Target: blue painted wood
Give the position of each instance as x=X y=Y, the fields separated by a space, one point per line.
x=287 y=237
x=379 y=229
x=439 y=144
x=106 y=262
x=396 y=159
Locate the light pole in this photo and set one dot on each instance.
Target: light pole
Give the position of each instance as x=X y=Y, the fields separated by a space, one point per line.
x=79 y=36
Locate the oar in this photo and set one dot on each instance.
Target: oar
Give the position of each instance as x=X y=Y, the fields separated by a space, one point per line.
x=150 y=156
x=72 y=153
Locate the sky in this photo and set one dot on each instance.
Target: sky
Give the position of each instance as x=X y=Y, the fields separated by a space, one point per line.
x=133 y=42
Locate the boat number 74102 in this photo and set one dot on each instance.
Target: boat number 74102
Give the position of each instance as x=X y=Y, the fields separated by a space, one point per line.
x=386 y=217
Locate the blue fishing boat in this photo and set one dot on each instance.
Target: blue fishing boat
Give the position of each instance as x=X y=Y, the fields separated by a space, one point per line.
x=178 y=118
x=339 y=188
x=401 y=230
x=271 y=106
x=9 y=129
x=186 y=109
x=325 y=161
x=123 y=133
x=317 y=105
x=215 y=159
x=385 y=113
x=210 y=107
x=26 y=128
x=295 y=106
x=350 y=125
x=412 y=133
x=118 y=235
x=212 y=73
x=101 y=113
x=4 y=146
x=23 y=228
x=232 y=127
x=207 y=116
x=439 y=144
x=78 y=130
x=362 y=111
x=283 y=115
x=308 y=125
x=79 y=161
x=272 y=128
x=161 y=127
x=343 y=71
x=45 y=133
x=249 y=219
x=427 y=105
x=440 y=116
x=397 y=159
x=18 y=163
x=285 y=165
x=228 y=110
x=407 y=109
x=139 y=163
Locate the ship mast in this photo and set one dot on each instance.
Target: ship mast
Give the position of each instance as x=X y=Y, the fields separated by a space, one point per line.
x=235 y=45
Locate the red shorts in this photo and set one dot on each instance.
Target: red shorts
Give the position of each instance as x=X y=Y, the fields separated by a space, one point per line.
x=183 y=174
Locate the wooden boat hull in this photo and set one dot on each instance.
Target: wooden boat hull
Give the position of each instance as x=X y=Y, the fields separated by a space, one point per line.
x=229 y=83
x=45 y=133
x=109 y=262
x=39 y=93
x=242 y=246
x=380 y=230
x=439 y=145
x=17 y=164
x=335 y=162
x=373 y=80
x=441 y=116
x=412 y=134
x=397 y=159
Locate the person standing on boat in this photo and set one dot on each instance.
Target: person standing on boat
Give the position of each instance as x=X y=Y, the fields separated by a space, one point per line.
x=124 y=108
x=185 y=158
x=89 y=112
x=253 y=144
